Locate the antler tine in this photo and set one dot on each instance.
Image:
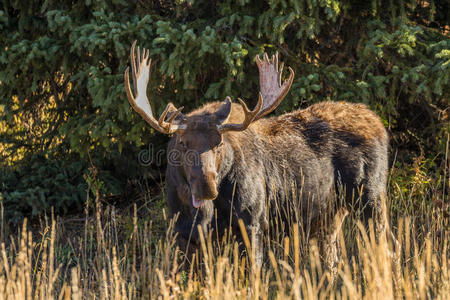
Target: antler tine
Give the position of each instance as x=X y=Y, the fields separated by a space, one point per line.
x=174 y=115
x=164 y=114
x=140 y=65
x=133 y=65
x=275 y=62
x=281 y=72
x=138 y=56
x=170 y=106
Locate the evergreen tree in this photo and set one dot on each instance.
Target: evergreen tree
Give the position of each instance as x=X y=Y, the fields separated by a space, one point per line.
x=63 y=106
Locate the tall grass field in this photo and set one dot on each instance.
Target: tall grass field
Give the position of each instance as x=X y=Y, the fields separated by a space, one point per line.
x=131 y=253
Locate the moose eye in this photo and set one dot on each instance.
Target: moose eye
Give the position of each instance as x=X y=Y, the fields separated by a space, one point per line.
x=182 y=144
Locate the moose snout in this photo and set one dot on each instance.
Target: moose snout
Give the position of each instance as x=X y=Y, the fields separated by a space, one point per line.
x=203 y=184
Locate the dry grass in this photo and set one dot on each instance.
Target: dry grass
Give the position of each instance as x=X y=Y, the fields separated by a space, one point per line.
x=111 y=256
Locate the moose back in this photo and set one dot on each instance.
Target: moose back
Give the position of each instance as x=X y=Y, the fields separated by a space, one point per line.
x=235 y=163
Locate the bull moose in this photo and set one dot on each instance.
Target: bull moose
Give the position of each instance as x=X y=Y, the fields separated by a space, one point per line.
x=245 y=161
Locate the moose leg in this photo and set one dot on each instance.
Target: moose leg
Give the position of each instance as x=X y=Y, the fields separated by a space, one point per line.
x=251 y=209
x=330 y=244
x=373 y=208
x=376 y=181
x=256 y=244
x=374 y=198
x=254 y=235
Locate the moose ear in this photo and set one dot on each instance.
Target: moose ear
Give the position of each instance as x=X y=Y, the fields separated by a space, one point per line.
x=223 y=112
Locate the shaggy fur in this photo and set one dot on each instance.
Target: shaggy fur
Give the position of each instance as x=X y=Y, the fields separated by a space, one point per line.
x=320 y=150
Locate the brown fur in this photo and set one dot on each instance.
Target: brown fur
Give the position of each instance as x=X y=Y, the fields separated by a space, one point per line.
x=346 y=117
x=316 y=149
x=341 y=116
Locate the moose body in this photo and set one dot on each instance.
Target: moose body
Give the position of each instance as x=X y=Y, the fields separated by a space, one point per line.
x=234 y=164
x=317 y=150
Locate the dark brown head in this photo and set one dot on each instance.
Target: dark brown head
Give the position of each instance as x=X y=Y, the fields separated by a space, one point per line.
x=201 y=146
x=199 y=137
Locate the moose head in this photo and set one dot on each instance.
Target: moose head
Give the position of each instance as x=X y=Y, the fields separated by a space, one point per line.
x=204 y=134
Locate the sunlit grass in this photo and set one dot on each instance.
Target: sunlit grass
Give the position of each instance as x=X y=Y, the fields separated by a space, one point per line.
x=377 y=270
x=110 y=256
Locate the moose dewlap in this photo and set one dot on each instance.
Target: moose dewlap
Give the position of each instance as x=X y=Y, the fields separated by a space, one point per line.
x=235 y=162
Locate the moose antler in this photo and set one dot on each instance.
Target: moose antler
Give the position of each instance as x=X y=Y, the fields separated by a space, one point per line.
x=249 y=116
x=272 y=92
x=271 y=89
x=140 y=70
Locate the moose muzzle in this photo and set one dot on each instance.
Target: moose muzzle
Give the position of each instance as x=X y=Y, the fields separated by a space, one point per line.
x=203 y=186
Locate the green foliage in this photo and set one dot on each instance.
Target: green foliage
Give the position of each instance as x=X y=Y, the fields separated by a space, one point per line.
x=62 y=64
x=41 y=184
